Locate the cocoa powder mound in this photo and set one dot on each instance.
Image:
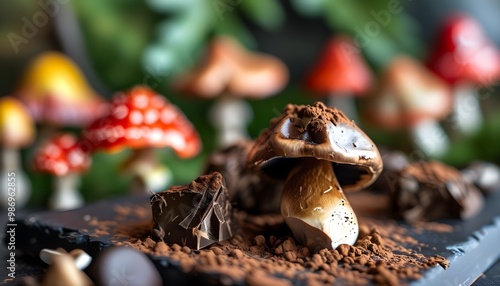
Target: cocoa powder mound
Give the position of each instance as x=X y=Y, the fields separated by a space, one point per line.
x=264 y=252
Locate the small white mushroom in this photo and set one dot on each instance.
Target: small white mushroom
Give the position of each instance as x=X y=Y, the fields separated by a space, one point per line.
x=65 y=268
x=80 y=257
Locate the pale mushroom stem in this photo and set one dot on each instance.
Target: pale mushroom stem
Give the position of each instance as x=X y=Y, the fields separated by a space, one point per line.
x=65 y=195
x=315 y=207
x=148 y=175
x=344 y=102
x=12 y=172
x=230 y=117
x=467 y=114
x=430 y=138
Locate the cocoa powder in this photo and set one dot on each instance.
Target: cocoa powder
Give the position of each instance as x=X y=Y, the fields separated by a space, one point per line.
x=264 y=252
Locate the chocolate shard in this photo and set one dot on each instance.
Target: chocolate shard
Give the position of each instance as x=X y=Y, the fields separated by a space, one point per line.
x=195 y=215
x=431 y=190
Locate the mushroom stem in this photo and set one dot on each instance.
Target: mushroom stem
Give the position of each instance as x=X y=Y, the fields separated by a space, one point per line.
x=345 y=103
x=66 y=195
x=315 y=207
x=148 y=175
x=467 y=114
x=230 y=117
x=430 y=138
x=12 y=172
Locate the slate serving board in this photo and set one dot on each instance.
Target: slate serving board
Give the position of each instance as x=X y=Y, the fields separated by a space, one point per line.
x=471 y=248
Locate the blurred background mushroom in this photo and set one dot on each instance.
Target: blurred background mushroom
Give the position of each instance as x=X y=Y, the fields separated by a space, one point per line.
x=63 y=157
x=57 y=94
x=165 y=39
x=340 y=75
x=143 y=120
x=17 y=131
x=232 y=73
x=465 y=57
x=409 y=96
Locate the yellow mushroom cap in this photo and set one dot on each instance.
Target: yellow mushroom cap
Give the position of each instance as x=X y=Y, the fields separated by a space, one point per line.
x=56 y=91
x=16 y=125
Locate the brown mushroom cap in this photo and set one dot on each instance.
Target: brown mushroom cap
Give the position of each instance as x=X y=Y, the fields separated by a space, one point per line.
x=408 y=94
x=321 y=132
x=231 y=69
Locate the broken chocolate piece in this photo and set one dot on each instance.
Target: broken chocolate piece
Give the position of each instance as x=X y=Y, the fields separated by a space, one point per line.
x=249 y=189
x=195 y=215
x=431 y=190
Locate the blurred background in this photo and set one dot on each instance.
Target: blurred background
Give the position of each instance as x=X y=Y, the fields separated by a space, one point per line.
x=119 y=44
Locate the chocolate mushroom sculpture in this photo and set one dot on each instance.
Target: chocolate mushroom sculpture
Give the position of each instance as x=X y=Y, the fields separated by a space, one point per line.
x=468 y=60
x=340 y=75
x=411 y=97
x=143 y=121
x=56 y=93
x=63 y=157
x=319 y=153
x=17 y=130
x=231 y=74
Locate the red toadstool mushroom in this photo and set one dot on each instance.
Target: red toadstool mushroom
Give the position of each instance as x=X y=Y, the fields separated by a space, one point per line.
x=142 y=120
x=340 y=73
x=63 y=157
x=409 y=96
x=232 y=73
x=17 y=130
x=465 y=58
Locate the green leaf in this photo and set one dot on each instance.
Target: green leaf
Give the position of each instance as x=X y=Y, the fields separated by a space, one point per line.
x=266 y=13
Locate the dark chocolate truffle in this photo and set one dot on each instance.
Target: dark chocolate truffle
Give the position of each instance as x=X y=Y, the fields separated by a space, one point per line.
x=431 y=190
x=195 y=215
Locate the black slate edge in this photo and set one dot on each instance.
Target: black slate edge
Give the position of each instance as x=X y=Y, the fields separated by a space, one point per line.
x=471 y=249
x=468 y=260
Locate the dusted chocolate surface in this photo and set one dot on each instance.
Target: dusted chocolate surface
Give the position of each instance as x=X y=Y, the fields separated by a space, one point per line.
x=470 y=245
x=249 y=189
x=431 y=190
x=194 y=215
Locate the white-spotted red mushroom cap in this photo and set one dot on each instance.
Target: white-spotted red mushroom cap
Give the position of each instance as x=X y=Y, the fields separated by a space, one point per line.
x=463 y=53
x=340 y=69
x=56 y=92
x=61 y=155
x=142 y=118
x=407 y=94
x=231 y=69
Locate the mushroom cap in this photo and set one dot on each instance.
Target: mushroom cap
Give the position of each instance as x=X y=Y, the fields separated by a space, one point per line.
x=408 y=93
x=230 y=69
x=463 y=52
x=340 y=69
x=55 y=91
x=321 y=132
x=142 y=118
x=61 y=155
x=17 y=128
